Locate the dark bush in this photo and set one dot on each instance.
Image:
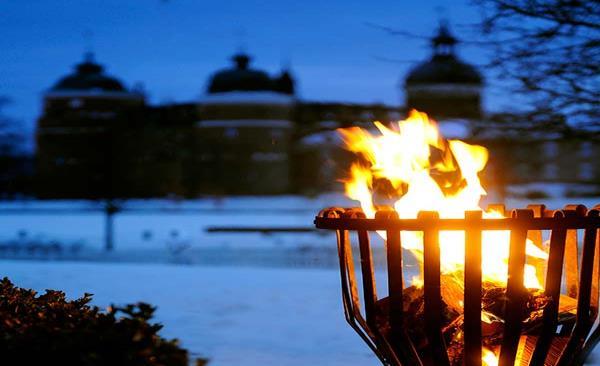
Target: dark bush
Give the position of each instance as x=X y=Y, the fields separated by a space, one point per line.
x=49 y=330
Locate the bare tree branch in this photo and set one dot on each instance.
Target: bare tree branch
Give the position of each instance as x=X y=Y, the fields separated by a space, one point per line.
x=552 y=49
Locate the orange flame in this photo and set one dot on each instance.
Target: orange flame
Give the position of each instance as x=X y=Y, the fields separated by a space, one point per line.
x=488 y=357
x=428 y=173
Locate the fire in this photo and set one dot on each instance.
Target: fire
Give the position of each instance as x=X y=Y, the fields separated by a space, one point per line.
x=488 y=357
x=411 y=164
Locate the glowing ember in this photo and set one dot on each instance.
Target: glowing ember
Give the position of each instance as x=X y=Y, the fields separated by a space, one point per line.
x=424 y=172
x=488 y=358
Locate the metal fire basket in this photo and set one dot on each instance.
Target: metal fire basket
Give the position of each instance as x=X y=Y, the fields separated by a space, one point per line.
x=568 y=271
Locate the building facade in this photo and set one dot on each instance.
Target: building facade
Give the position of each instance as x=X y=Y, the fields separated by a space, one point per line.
x=242 y=139
x=444 y=86
x=250 y=134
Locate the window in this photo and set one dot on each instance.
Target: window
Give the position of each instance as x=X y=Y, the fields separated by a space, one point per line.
x=550 y=149
x=231 y=133
x=276 y=134
x=263 y=156
x=551 y=171
x=586 y=150
x=586 y=172
x=76 y=103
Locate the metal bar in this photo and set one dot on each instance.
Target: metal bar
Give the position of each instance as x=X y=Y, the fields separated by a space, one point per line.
x=583 y=321
x=552 y=290
x=395 y=287
x=258 y=229
x=515 y=293
x=347 y=302
x=571 y=263
x=351 y=273
x=536 y=238
x=595 y=296
x=109 y=230
x=400 y=340
x=572 y=255
x=542 y=223
x=349 y=310
x=368 y=277
x=472 y=300
x=594 y=337
x=432 y=292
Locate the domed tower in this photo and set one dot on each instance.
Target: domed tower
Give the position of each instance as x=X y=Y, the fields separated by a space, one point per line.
x=243 y=136
x=74 y=134
x=444 y=86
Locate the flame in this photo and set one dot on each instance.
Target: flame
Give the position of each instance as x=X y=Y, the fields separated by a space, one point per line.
x=429 y=173
x=488 y=357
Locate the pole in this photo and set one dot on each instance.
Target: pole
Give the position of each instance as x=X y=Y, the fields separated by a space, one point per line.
x=110 y=210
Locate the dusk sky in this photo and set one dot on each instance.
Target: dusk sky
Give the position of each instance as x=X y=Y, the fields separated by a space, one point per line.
x=172 y=47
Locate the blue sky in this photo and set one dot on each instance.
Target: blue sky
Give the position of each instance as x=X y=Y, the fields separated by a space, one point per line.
x=173 y=46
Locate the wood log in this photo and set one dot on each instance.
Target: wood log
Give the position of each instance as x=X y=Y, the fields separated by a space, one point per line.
x=492 y=324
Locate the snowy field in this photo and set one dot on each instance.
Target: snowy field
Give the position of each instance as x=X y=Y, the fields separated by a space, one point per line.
x=161 y=224
x=162 y=227
x=234 y=316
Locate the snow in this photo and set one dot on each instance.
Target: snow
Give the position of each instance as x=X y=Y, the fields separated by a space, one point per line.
x=158 y=225
x=151 y=224
x=455 y=129
x=234 y=316
x=322 y=139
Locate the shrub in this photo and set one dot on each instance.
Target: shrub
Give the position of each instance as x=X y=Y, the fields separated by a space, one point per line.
x=49 y=330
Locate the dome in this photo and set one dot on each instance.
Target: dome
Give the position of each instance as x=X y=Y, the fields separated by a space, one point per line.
x=89 y=76
x=242 y=78
x=444 y=67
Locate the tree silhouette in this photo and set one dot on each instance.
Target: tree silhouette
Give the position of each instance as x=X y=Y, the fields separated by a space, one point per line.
x=551 y=48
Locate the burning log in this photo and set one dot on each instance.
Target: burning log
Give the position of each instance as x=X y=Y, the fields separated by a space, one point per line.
x=492 y=322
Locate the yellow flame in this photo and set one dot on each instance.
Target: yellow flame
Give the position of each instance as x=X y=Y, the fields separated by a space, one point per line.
x=446 y=182
x=488 y=357
x=417 y=281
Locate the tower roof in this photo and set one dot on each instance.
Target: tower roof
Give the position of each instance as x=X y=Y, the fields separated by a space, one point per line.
x=444 y=67
x=89 y=76
x=243 y=78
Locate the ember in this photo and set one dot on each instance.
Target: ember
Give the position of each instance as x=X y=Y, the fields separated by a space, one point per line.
x=488 y=292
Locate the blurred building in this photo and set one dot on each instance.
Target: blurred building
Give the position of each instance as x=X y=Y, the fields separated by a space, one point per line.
x=250 y=133
x=96 y=139
x=521 y=150
x=242 y=138
x=444 y=86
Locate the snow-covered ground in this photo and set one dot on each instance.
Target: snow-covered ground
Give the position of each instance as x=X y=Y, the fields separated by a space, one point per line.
x=161 y=225
x=234 y=316
x=157 y=224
